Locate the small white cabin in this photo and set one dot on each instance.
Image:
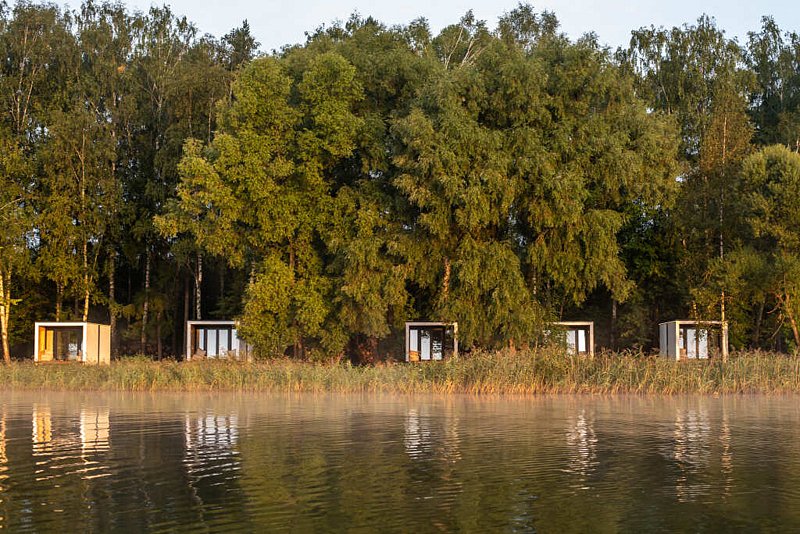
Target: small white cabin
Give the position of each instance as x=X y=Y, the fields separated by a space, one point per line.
x=215 y=340
x=693 y=340
x=579 y=336
x=431 y=341
x=77 y=341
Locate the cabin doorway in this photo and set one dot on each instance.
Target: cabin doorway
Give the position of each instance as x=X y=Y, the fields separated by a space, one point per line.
x=65 y=342
x=215 y=341
x=427 y=341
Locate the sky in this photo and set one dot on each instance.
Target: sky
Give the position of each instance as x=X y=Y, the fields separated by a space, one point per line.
x=278 y=22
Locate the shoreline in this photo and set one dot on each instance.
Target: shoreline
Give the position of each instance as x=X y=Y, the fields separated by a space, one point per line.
x=537 y=372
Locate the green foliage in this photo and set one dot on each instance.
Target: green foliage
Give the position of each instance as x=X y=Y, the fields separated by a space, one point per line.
x=772 y=186
x=498 y=177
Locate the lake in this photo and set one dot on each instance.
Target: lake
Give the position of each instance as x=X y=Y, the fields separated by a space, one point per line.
x=314 y=463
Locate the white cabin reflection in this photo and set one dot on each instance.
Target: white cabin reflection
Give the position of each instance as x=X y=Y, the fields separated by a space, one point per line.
x=69 y=445
x=42 y=429
x=691 y=439
x=582 y=445
x=95 y=429
x=418 y=435
x=211 y=438
x=429 y=437
x=702 y=453
x=91 y=434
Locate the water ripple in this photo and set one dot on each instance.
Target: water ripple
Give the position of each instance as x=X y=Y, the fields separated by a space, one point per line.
x=332 y=463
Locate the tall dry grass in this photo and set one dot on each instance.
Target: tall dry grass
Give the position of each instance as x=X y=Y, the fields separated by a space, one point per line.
x=527 y=372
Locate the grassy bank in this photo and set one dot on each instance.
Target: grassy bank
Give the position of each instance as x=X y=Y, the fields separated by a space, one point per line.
x=542 y=371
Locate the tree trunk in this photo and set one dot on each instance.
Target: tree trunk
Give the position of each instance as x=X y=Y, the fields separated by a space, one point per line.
x=177 y=327
x=222 y=274
x=112 y=303
x=446 y=281
x=5 y=312
x=613 y=331
x=757 y=330
x=158 y=336
x=722 y=213
x=146 y=305
x=85 y=283
x=198 y=288
x=186 y=305
x=59 y=299
x=787 y=310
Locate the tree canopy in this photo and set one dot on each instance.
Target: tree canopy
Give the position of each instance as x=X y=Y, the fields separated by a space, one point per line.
x=501 y=177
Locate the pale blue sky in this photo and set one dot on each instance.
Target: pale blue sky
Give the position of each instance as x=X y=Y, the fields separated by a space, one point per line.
x=279 y=22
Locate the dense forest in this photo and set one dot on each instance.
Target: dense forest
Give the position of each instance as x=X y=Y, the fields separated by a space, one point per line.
x=502 y=177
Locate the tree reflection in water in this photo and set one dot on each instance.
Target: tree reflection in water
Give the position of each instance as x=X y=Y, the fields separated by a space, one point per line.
x=429 y=436
x=313 y=463
x=3 y=454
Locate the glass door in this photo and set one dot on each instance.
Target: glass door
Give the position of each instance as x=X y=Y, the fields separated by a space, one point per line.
x=437 y=343
x=67 y=343
x=425 y=345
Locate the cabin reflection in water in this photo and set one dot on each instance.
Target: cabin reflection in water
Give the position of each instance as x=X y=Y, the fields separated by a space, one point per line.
x=701 y=452
x=91 y=433
x=42 y=428
x=428 y=437
x=692 y=437
x=582 y=445
x=95 y=429
x=210 y=436
x=431 y=341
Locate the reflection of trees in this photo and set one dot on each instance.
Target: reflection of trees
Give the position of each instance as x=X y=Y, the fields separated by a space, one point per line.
x=211 y=460
x=691 y=447
x=60 y=477
x=428 y=435
x=3 y=456
x=312 y=463
x=726 y=455
x=336 y=462
x=212 y=433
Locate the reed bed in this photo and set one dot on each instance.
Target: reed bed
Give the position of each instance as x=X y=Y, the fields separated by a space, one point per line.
x=523 y=372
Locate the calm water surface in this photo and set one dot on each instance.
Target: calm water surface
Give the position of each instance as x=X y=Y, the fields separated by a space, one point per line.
x=311 y=463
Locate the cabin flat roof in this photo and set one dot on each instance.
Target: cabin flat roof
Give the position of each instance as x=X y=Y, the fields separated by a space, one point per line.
x=66 y=323
x=694 y=321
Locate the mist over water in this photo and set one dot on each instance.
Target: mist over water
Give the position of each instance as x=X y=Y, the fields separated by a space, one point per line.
x=77 y=462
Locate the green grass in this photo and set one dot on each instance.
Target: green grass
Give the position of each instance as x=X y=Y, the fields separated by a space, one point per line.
x=526 y=372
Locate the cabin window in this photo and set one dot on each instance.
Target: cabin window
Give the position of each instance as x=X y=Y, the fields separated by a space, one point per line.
x=222 y=342
x=65 y=343
x=425 y=345
x=430 y=342
x=215 y=341
x=211 y=342
x=413 y=343
x=578 y=340
x=234 y=340
x=693 y=342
